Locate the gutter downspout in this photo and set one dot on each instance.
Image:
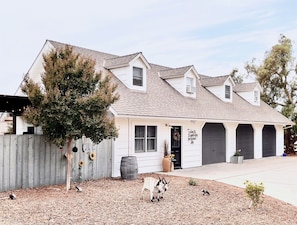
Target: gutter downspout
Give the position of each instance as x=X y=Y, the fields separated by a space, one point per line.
x=128 y=136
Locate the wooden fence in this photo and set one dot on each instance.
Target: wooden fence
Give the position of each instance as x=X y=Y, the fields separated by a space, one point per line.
x=27 y=161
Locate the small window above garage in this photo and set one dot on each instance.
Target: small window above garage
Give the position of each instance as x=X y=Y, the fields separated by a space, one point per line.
x=130 y=69
x=221 y=86
x=250 y=92
x=183 y=79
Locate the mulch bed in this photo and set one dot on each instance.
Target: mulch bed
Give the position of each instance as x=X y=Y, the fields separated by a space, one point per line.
x=118 y=201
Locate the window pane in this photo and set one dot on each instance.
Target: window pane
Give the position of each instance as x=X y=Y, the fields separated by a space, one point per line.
x=151 y=131
x=189 y=81
x=139 y=145
x=227 y=91
x=190 y=87
x=137 y=76
x=139 y=131
x=139 y=138
x=151 y=145
x=255 y=96
x=151 y=138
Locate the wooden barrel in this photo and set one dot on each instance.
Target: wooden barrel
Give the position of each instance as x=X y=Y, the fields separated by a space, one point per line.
x=129 y=168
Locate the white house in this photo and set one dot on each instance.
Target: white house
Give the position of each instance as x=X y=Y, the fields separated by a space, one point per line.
x=204 y=119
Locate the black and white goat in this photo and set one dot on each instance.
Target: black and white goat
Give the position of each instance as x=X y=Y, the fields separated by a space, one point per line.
x=156 y=187
x=165 y=187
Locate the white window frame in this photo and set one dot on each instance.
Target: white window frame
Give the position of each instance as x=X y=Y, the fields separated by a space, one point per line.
x=190 y=88
x=256 y=96
x=137 y=76
x=145 y=138
x=227 y=92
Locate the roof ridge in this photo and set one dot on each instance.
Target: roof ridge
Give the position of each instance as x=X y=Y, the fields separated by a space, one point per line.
x=83 y=48
x=215 y=77
x=116 y=57
x=182 y=67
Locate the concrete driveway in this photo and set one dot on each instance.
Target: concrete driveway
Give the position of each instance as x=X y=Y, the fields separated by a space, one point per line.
x=278 y=174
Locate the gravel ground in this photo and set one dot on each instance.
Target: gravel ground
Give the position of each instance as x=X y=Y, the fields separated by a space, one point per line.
x=116 y=201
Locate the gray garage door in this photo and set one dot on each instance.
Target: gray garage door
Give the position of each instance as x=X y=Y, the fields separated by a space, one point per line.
x=245 y=140
x=213 y=143
x=268 y=141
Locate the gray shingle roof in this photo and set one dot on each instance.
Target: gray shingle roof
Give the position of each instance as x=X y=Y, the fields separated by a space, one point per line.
x=174 y=72
x=213 y=81
x=245 y=87
x=120 y=61
x=163 y=101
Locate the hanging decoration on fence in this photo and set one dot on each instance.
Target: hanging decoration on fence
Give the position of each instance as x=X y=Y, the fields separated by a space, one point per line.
x=92 y=156
x=74 y=149
x=81 y=163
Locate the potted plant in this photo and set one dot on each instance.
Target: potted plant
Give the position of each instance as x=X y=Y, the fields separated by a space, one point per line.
x=166 y=162
x=237 y=157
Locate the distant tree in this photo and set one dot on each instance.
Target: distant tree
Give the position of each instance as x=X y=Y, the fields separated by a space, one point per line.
x=72 y=101
x=277 y=75
x=237 y=78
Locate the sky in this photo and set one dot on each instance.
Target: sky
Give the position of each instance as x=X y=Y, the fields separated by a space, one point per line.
x=215 y=36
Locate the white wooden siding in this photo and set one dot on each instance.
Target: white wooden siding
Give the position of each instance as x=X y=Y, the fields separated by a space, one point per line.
x=152 y=161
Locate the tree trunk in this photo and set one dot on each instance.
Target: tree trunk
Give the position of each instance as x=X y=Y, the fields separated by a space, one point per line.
x=69 y=158
x=289 y=142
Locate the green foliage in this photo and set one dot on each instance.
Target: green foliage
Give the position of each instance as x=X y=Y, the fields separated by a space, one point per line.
x=277 y=74
x=237 y=152
x=192 y=182
x=73 y=99
x=237 y=78
x=255 y=192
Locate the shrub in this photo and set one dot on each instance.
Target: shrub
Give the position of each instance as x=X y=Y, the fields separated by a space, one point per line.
x=192 y=182
x=254 y=192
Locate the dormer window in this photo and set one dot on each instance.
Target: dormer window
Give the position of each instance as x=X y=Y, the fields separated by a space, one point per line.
x=137 y=76
x=250 y=92
x=190 y=88
x=227 y=91
x=131 y=70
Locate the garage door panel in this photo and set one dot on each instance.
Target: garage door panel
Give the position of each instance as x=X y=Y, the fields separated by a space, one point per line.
x=268 y=141
x=245 y=140
x=213 y=143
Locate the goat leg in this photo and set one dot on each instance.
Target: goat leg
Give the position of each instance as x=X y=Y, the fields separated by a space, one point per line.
x=152 y=196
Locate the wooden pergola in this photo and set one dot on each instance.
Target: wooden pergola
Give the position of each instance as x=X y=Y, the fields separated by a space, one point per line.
x=15 y=105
